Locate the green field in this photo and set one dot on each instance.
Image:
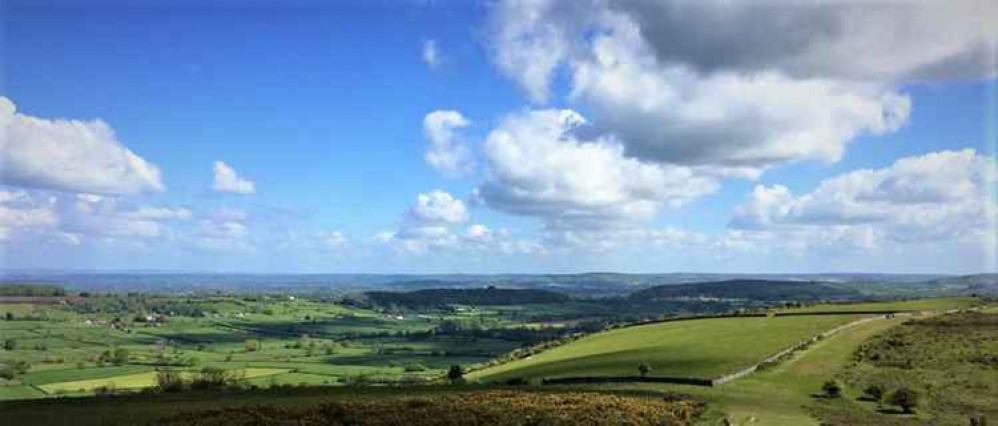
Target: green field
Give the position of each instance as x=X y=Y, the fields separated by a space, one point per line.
x=141 y=380
x=940 y=304
x=698 y=348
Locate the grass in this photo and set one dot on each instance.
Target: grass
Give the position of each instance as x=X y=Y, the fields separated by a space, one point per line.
x=138 y=381
x=939 y=304
x=948 y=360
x=699 y=348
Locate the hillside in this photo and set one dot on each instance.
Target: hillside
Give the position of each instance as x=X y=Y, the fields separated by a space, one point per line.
x=464 y=296
x=704 y=348
x=758 y=290
x=425 y=405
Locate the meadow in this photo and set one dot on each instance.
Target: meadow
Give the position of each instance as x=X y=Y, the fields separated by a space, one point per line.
x=700 y=348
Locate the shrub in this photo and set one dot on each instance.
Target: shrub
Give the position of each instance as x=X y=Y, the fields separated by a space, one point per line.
x=905 y=398
x=211 y=378
x=169 y=380
x=9 y=316
x=120 y=356
x=831 y=389
x=20 y=367
x=251 y=345
x=455 y=373
x=643 y=369
x=106 y=390
x=874 y=392
x=10 y=344
x=6 y=373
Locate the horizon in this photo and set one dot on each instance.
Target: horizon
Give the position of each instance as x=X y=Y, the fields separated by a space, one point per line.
x=554 y=137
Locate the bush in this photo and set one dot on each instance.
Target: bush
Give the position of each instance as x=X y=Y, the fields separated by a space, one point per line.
x=831 y=389
x=455 y=373
x=169 y=380
x=6 y=373
x=874 y=392
x=905 y=398
x=10 y=344
x=251 y=345
x=644 y=368
x=107 y=390
x=20 y=367
x=120 y=356
x=210 y=378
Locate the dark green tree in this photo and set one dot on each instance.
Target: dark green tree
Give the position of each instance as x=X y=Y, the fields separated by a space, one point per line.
x=644 y=368
x=905 y=398
x=832 y=389
x=874 y=392
x=455 y=373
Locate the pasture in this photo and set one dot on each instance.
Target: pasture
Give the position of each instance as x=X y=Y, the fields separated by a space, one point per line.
x=704 y=348
x=939 y=304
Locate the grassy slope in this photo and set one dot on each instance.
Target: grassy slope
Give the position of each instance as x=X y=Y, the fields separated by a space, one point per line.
x=940 y=304
x=777 y=396
x=699 y=348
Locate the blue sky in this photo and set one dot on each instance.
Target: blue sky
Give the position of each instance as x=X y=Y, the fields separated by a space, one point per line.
x=324 y=109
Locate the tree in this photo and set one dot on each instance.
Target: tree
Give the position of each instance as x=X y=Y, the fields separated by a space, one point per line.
x=874 y=392
x=455 y=373
x=21 y=367
x=168 y=380
x=832 y=389
x=120 y=356
x=905 y=398
x=644 y=369
x=10 y=344
x=251 y=345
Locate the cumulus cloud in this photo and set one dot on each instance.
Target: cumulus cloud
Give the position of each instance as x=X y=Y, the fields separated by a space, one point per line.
x=226 y=180
x=430 y=54
x=434 y=224
x=69 y=155
x=540 y=166
x=33 y=217
x=739 y=87
x=447 y=154
x=437 y=208
x=937 y=196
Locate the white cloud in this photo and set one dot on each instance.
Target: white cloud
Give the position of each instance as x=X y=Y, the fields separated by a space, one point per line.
x=36 y=217
x=539 y=166
x=937 y=196
x=430 y=54
x=437 y=208
x=447 y=154
x=738 y=88
x=433 y=222
x=226 y=180
x=69 y=155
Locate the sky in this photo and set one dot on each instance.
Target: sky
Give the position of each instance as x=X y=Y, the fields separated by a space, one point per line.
x=541 y=136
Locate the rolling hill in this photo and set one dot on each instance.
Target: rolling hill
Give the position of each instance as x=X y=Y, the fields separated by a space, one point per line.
x=758 y=290
x=703 y=348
